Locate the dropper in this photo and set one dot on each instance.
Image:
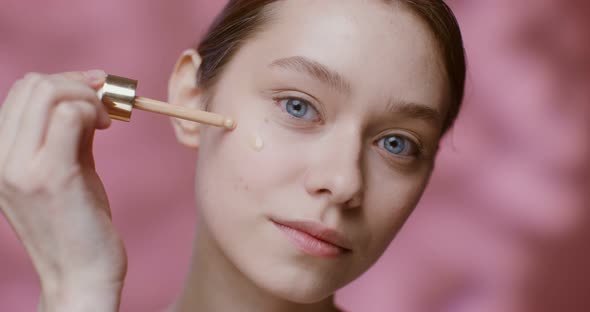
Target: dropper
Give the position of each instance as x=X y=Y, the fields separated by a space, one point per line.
x=119 y=96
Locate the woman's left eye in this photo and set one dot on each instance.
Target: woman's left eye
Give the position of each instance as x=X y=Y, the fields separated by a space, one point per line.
x=399 y=145
x=299 y=108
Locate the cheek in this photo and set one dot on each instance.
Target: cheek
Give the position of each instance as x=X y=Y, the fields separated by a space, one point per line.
x=249 y=164
x=389 y=202
x=225 y=179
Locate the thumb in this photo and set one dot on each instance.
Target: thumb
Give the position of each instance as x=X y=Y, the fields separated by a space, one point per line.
x=86 y=148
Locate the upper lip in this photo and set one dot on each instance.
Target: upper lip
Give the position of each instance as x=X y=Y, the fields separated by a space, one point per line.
x=318 y=231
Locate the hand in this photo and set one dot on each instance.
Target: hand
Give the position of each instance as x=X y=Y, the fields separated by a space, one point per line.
x=50 y=192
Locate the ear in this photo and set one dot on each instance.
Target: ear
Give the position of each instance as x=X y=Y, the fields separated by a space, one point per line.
x=183 y=90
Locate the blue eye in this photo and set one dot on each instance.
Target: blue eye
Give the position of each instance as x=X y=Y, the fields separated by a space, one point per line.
x=298 y=108
x=398 y=145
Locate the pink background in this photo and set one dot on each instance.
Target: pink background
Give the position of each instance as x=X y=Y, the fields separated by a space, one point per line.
x=504 y=225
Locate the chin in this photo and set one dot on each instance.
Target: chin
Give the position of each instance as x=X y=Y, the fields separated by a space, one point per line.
x=283 y=271
x=295 y=284
x=301 y=294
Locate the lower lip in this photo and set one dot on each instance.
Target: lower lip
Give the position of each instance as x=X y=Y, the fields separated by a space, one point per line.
x=310 y=244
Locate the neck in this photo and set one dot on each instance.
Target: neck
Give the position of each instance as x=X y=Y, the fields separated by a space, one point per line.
x=215 y=284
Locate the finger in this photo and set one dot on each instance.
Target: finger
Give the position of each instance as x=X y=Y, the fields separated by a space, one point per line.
x=16 y=92
x=12 y=111
x=9 y=98
x=48 y=93
x=92 y=78
x=70 y=128
x=16 y=97
x=85 y=151
x=95 y=80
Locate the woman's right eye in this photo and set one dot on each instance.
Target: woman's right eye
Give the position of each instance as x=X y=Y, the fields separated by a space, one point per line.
x=299 y=109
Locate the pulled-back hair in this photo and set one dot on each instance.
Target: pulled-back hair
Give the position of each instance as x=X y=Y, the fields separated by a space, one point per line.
x=240 y=20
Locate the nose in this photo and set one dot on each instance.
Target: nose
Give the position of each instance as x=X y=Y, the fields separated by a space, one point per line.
x=335 y=170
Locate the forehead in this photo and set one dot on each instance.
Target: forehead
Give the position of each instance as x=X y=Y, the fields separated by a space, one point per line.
x=382 y=49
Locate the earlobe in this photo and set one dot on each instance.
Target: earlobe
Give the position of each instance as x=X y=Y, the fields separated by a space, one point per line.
x=183 y=90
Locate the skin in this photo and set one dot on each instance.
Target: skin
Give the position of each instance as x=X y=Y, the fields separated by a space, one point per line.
x=330 y=166
x=326 y=167
x=48 y=183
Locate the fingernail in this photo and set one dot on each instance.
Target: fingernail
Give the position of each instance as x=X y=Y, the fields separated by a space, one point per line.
x=95 y=75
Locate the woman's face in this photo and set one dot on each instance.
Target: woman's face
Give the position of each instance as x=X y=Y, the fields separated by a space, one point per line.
x=339 y=107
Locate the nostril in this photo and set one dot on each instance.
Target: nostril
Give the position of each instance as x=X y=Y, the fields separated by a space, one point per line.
x=355 y=201
x=324 y=191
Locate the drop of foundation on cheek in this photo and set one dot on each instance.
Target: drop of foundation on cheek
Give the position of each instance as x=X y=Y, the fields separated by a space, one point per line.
x=256 y=143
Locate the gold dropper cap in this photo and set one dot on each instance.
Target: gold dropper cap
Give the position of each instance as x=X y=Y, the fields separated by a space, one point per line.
x=118 y=94
x=120 y=98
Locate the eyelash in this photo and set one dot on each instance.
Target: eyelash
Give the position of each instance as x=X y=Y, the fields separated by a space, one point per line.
x=279 y=101
x=419 y=149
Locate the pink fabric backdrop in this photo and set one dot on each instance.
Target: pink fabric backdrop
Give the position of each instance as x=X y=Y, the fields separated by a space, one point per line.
x=504 y=225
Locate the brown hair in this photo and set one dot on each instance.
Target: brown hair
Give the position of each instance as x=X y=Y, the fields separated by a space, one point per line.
x=240 y=20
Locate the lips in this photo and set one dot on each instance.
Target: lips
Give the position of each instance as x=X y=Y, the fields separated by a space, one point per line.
x=314 y=238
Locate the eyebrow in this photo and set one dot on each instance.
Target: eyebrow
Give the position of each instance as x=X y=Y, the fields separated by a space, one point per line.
x=336 y=81
x=316 y=70
x=415 y=111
